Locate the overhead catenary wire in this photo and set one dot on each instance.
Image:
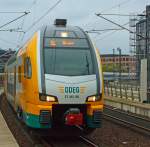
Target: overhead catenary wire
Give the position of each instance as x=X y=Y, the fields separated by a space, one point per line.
x=102 y=30
x=23 y=22
x=6 y=24
x=13 y=12
x=40 y=18
x=93 y=32
x=33 y=3
x=111 y=8
x=117 y=5
x=19 y=36
x=111 y=33
x=121 y=14
x=99 y=15
x=12 y=30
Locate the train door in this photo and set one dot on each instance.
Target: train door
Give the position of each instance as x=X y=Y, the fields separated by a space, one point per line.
x=11 y=85
x=14 y=93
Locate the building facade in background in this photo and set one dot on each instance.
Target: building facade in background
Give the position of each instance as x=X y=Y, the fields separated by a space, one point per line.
x=111 y=63
x=4 y=56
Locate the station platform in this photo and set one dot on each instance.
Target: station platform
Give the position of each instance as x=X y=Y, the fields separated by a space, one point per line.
x=138 y=108
x=6 y=137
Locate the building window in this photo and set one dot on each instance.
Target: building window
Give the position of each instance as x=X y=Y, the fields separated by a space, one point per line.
x=27 y=68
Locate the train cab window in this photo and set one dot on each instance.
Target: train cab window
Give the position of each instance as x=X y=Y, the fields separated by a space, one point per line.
x=69 y=57
x=27 y=68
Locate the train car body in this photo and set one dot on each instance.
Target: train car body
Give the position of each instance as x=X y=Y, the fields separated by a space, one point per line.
x=2 y=80
x=56 y=79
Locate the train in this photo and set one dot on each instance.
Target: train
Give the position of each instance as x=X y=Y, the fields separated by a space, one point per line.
x=1 y=80
x=55 y=79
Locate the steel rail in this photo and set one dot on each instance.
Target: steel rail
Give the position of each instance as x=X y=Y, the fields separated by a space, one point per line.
x=88 y=141
x=129 y=114
x=127 y=122
x=48 y=143
x=135 y=126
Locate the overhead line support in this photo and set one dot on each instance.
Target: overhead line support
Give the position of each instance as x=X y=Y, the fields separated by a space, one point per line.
x=14 y=20
x=100 y=15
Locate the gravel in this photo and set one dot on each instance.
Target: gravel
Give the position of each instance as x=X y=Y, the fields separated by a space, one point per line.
x=118 y=136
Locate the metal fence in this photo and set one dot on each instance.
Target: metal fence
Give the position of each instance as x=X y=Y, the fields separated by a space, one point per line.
x=125 y=91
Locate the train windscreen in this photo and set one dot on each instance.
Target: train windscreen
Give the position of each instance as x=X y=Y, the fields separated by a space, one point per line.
x=68 y=57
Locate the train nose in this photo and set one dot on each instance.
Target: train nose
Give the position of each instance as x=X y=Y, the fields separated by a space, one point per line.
x=73 y=117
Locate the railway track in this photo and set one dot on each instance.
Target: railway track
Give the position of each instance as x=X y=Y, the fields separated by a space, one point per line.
x=88 y=141
x=132 y=121
x=80 y=141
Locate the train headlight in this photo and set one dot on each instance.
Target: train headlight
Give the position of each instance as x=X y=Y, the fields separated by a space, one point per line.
x=48 y=98
x=94 y=98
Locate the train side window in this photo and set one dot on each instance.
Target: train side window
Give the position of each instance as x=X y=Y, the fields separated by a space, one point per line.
x=27 y=68
x=19 y=74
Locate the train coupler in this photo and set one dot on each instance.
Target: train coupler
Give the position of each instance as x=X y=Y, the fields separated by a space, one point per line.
x=73 y=116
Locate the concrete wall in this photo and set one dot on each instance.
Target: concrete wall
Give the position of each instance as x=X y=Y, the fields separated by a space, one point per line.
x=127 y=105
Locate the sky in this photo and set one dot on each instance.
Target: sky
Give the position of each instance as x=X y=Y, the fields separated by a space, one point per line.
x=78 y=13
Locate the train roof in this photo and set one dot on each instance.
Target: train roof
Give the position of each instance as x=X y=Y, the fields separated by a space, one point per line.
x=73 y=31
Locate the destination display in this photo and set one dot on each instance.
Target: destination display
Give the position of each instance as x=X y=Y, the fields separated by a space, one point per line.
x=67 y=43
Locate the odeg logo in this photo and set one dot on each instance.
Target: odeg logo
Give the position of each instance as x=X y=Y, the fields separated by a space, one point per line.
x=72 y=90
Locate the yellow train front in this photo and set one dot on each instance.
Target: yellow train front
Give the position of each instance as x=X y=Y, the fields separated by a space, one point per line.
x=55 y=79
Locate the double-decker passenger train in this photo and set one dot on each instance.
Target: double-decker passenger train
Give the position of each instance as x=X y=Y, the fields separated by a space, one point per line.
x=56 y=79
